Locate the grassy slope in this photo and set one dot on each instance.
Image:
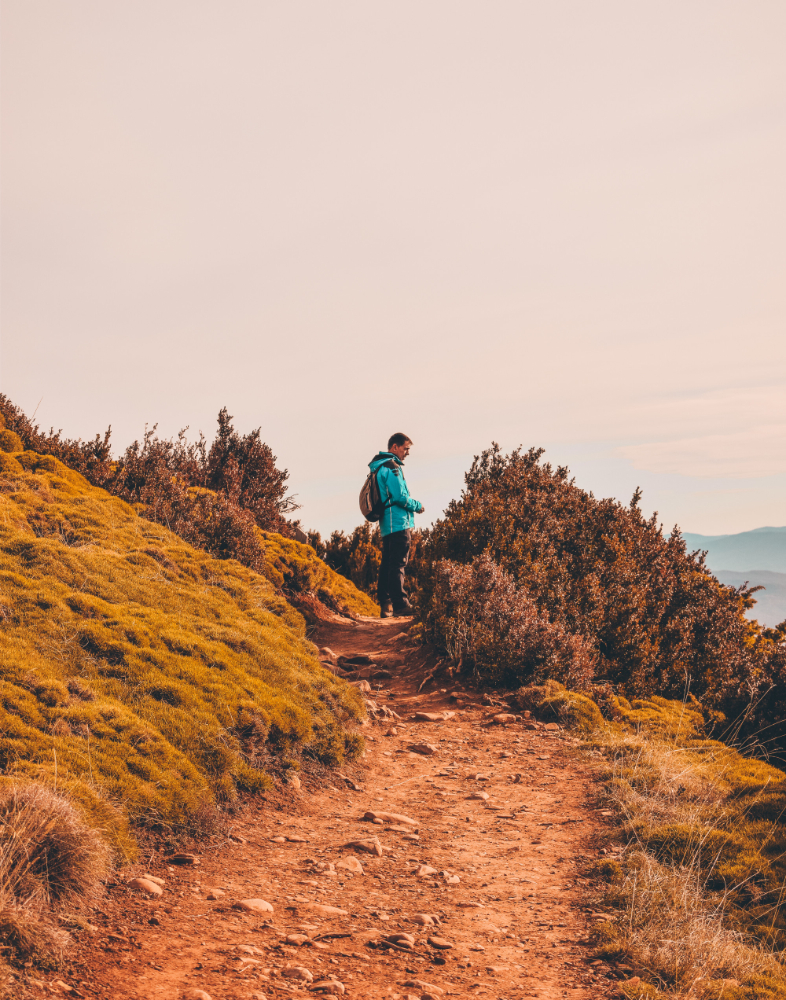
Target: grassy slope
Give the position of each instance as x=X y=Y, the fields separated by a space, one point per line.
x=143 y=672
x=699 y=886
x=292 y=564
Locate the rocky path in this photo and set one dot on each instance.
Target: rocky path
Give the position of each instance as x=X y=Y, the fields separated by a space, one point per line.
x=463 y=880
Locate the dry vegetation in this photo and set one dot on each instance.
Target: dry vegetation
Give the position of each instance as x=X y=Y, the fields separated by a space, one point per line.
x=696 y=869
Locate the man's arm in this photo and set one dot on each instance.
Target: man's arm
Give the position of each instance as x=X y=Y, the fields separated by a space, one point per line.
x=397 y=492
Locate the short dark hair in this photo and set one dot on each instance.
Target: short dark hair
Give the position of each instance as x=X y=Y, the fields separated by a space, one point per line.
x=398 y=440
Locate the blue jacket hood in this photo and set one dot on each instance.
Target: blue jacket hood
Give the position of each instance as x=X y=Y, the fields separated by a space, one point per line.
x=381 y=457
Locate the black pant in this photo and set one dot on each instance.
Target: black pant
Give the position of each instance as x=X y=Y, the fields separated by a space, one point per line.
x=395 y=554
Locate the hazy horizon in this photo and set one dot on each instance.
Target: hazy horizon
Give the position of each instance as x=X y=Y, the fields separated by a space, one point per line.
x=553 y=225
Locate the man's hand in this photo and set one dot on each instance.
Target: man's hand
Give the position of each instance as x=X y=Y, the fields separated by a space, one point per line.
x=422 y=508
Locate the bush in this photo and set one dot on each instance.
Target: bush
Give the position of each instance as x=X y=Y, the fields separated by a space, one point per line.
x=490 y=625
x=10 y=442
x=648 y=613
x=213 y=497
x=48 y=854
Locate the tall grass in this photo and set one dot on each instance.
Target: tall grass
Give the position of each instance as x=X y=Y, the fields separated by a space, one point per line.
x=49 y=859
x=697 y=888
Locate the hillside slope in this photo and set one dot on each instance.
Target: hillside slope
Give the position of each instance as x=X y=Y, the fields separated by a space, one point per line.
x=140 y=672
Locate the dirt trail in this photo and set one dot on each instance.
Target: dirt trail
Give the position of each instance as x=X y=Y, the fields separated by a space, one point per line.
x=504 y=890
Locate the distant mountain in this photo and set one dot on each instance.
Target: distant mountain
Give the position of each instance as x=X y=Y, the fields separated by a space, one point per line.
x=760 y=549
x=758 y=556
x=770 y=608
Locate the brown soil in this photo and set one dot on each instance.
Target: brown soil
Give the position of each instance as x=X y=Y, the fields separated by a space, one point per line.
x=513 y=918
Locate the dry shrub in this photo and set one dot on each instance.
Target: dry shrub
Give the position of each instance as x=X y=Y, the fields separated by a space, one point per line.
x=671 y=928
x=48 y=855
x=651 y=612
x=698 y=889
x=49 y=858
x=31 y=938
x=486 y=621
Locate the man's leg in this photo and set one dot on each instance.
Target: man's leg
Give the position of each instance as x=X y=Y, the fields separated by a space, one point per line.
x=399 y=556
x=383 y=581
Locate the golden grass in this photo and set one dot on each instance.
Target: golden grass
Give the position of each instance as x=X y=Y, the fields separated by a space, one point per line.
x=48 y=855
x=140 y=673
x=49 y=859
x=297 y=567
x=696 y=879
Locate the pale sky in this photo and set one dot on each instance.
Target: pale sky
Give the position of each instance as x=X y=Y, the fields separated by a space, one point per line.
x=541 y=223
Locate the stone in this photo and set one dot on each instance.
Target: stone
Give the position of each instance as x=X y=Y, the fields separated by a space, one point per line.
x=401 y=938
x=482 y=796
x=503 y=719
x=437 y=990
x=551 y=725
x=392 y=732
x=146 y=885
x=351 y=864
x=249 y=949
x=296 y=939
x=411 y=836
x=152 y=878
x=328 y=653
x=363 y=686
x=294 y=782
x=424 y=749
x=370 y=846
x=297 y=972
x=424 y=919
x=476 y=947
x=253 y=906
x=425 y=870
x=328 y=911
x=387 y=817
x=440 y=942
x=297 y=839
x=429 y=716
x=372 y=935
x=214 y=894
x=278 y=840
x=451 y=879
x=329 y=986
x=181 y=859
x=196 y=995
x=497 y=970
x=467 y=905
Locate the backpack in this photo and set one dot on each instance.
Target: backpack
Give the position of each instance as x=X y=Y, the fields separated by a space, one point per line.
x=372 y=506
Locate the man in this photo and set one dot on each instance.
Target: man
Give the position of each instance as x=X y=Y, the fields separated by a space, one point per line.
x=396 y=524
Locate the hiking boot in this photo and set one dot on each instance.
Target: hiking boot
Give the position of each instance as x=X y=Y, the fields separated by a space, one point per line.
x=403 y=611
x=386 y=610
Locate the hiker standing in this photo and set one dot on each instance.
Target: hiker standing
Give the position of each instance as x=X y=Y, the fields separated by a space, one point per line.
x=396 y=522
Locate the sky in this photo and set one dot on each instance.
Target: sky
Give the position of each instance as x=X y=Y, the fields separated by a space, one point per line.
x=552 y=224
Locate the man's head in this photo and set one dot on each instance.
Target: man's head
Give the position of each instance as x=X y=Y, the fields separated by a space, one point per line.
x=399 y=445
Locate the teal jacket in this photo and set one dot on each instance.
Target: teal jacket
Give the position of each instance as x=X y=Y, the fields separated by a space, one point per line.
x=400 y=508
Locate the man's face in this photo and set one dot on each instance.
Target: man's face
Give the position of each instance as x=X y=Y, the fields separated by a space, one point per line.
x=401 y=450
